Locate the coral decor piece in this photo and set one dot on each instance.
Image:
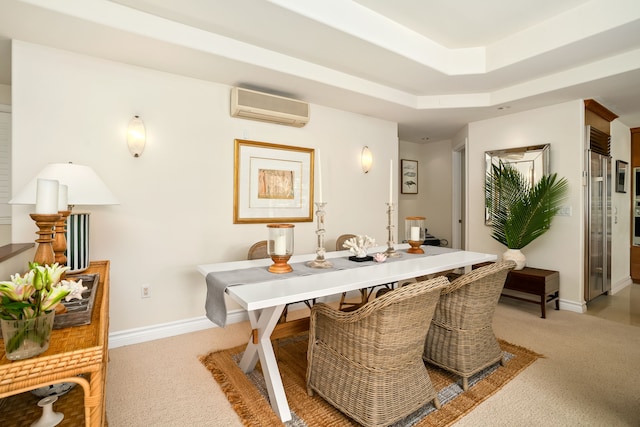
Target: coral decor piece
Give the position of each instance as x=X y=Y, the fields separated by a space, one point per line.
x=380 y=257
x=358 y=245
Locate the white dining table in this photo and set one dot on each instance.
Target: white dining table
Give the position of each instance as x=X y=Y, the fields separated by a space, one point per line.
x=265 y=300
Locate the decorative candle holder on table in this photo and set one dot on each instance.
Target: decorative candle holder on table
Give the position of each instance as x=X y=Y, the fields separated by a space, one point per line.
x=60 y=239
x=45 y=223
x=390 y=252
x=320 y=261
x=280 y=247
x=414 y=230
x=49 y=417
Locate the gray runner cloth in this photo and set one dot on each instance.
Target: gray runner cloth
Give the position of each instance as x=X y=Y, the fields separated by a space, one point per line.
x=218 y=281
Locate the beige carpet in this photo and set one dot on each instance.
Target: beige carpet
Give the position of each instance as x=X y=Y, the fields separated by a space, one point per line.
x=246 y=393
x=588 y=377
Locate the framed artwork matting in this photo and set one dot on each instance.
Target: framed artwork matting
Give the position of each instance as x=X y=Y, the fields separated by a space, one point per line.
x=409 y=176
x=621 y=176
x=272 y=183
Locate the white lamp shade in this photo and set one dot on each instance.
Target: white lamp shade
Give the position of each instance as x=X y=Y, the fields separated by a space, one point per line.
x=84 y=186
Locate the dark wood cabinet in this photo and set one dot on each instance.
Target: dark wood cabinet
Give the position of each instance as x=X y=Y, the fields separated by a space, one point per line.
x=544 y=284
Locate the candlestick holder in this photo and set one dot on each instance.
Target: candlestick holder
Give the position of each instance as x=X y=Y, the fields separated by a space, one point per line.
x=60 y=239
x=320 y=261
x=49 y=418
x=280 y=264
x=414 y=230
x=45 y=223
x=390 y=252
x=280 y=247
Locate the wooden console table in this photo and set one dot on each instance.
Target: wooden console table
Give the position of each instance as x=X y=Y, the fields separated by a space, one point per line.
x=535 y=281
x=72 y=351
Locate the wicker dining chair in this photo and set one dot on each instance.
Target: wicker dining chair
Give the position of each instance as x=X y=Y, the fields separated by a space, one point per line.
x=461 y=339
x=368 y=363
x=345 y=305
x=365 y=293
x=258 y=251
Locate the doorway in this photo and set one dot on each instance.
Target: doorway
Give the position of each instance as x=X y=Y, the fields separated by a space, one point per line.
x=459 y=211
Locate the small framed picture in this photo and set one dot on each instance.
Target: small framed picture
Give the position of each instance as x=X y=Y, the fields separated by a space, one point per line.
x=409 y=177
x=621 y=176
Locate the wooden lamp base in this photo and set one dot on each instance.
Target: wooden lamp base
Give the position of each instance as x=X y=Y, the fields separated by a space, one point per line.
x=60 y=239
x=45 y=223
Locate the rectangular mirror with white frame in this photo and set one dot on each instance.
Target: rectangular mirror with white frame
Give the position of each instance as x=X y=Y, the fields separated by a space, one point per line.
x=531 y=161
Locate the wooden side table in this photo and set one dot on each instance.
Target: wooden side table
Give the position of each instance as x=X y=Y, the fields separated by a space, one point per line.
x=72 y=351
x=545 y=284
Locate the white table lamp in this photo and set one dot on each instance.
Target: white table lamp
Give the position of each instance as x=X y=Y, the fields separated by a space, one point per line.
x=83 y=187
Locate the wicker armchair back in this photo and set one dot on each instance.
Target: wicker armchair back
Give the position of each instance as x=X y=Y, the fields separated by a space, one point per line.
x=258 y=250
x=364 y=293
x=368 y=363
x=461 y=338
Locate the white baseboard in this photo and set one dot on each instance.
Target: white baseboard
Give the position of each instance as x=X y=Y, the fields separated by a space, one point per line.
x=573 y=306
x=617 y=287
x=166 y=330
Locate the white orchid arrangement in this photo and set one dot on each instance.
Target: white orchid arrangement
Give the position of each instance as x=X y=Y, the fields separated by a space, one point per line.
x=39 y=291
x=358 y=245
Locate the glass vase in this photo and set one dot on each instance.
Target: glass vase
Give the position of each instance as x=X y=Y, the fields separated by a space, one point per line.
x=24 y=338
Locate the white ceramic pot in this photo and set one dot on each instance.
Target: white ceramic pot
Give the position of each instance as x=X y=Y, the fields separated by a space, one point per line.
x=517 y=256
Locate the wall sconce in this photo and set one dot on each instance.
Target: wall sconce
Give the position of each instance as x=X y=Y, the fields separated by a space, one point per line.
x=366 y=158
x=136 y=136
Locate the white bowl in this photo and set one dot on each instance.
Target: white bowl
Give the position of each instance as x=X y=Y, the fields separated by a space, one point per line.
x=54 y=389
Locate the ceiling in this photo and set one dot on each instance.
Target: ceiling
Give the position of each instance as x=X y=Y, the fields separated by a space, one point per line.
x=430 y=65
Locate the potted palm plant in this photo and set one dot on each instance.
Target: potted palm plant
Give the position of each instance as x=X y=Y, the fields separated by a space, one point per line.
x=520 y=211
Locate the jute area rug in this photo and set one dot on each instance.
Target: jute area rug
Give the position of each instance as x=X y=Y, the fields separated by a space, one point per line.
x=247 y=393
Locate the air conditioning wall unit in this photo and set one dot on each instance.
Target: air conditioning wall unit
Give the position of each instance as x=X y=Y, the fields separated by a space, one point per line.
x=253 y=105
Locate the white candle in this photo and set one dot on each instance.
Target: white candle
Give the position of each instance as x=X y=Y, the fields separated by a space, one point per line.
x=390 y=181
x=415 y=234
x=320 y=199
x=63 y=197
x=47 y=196
x=280 y=245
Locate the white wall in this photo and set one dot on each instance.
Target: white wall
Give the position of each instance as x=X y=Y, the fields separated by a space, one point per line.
x=561 y=248
x=433 y=200
x=621 y=210
x=176 y=200
x=410 y=204
x=16 y=264
x=459 y=166
x=5 y=102
x=5 y=94
x=5 y=170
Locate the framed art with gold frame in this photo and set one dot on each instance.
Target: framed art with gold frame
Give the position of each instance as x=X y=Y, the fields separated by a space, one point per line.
x=272 y=183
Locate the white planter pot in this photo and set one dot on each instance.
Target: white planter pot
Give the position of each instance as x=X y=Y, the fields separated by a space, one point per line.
x=517 y=256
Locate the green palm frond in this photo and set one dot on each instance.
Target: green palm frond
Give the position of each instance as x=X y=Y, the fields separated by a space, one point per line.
x=521 y=213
